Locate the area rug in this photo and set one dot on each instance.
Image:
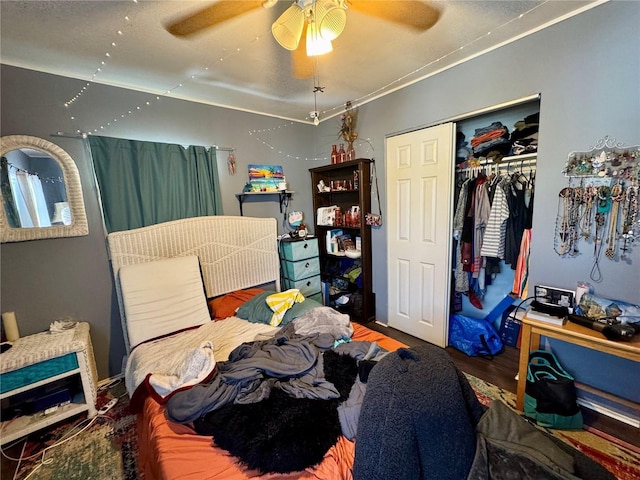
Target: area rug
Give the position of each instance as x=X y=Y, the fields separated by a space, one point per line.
x=620 y=458
x=107 y=450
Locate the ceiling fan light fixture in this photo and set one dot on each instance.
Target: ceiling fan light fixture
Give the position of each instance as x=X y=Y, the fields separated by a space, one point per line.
x=287 y=29
x=331 y=17
x=316 y=45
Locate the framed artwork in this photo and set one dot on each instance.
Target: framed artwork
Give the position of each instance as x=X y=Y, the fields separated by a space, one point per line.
x=265 y=178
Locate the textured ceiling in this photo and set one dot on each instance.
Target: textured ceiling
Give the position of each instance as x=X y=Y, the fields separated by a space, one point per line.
x=239 y=65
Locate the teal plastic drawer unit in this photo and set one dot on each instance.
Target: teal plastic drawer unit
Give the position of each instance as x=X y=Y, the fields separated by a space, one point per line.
x=300 y=266
x=301 y=269
x=307 y=286
x=299 y=249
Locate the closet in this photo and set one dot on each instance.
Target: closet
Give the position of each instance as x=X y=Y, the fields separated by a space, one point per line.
x=426 y=171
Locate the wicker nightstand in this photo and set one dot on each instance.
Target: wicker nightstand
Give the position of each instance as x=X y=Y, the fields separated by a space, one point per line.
x=45 y=378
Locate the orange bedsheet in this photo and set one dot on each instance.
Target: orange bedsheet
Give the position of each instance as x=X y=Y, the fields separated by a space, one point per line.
x=169 y=450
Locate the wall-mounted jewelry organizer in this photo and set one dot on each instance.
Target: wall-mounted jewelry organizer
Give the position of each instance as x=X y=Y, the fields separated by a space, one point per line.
x=600 y=204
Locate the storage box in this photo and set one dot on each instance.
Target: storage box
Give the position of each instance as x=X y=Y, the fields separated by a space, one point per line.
x=301 y=269
x=308 y=286
x=299 y=249
x=510 y=326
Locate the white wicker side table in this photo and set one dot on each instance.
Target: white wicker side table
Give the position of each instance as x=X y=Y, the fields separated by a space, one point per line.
x=61 y=362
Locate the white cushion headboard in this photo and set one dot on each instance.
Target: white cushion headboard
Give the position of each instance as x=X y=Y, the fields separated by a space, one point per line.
x=234 y=252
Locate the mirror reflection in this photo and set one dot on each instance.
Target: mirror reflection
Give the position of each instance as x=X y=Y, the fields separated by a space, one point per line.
x=33 y=190
x=41 y=195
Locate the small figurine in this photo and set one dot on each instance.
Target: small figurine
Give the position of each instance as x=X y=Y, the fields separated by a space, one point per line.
x=322 y=187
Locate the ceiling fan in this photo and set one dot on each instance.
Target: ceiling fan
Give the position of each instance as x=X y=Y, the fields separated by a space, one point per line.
x=307 y=27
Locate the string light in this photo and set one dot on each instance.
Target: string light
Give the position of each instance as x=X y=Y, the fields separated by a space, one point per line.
x=394 y=84
x=42 y=179
x=191 y=78
x=98 y=70
x=314 y=115
x=257 y=134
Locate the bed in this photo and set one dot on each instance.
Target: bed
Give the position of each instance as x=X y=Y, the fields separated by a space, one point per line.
x=417 y=413
x=234 y=253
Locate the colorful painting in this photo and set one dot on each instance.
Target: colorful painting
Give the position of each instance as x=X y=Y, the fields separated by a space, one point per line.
x=266 y=172
x=265 y=177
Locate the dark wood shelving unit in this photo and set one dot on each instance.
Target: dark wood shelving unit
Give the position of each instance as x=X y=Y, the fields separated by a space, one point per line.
x=346 y=193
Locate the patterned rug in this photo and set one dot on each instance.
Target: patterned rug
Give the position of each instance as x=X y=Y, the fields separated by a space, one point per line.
x=620 y=458
x=107 y=449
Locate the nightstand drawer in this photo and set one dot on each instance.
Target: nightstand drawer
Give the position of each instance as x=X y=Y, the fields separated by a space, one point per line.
x=301 y=269
x=34 y=373
x=307 y=286
x=299 y=249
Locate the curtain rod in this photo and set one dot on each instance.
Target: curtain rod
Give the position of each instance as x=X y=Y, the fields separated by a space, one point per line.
x=68 y=135
x=84 y=135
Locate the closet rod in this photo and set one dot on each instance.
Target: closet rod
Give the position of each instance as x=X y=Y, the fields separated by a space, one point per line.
x=514 y=163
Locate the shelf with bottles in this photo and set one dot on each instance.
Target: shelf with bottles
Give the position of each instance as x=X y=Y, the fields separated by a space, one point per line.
x=341 y=154
x=345 y=187
x=345 y=180
x=335 y=216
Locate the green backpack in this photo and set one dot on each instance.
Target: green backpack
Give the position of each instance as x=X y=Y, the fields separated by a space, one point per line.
x=550 y=394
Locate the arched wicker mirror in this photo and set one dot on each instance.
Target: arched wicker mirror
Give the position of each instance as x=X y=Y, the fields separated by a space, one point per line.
x=41 y=191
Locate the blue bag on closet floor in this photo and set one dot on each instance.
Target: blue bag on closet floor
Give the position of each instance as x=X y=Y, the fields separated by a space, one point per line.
x=474 y=336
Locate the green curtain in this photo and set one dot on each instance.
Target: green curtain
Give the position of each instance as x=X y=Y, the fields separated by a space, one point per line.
x=144 y=183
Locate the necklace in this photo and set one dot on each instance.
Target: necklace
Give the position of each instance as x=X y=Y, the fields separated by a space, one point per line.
x=574 y=218
x=562 y=223
x=587 y=211
x=629 y=214
x=616 y=196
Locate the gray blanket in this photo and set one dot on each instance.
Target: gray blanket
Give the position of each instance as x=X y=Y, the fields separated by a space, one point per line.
x=290 y=361
x=418 y=419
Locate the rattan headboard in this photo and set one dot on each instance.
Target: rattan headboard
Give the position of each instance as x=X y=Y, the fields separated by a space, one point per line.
x=234 y=252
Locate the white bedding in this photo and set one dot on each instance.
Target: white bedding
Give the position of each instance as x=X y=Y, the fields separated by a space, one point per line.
x=187 y=358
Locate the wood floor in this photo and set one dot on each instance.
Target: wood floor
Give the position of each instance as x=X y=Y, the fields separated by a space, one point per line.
x=501 y=372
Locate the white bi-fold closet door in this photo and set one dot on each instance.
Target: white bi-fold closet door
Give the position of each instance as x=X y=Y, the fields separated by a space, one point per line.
x=419 y=170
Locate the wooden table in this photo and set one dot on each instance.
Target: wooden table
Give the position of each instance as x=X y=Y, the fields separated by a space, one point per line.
x=570 y=332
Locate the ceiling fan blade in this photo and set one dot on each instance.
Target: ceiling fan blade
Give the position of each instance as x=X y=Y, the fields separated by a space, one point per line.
x=217 y=13
x=301 y=64
x=411 y=13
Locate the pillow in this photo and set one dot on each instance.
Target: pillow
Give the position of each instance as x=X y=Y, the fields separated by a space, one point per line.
x=225 y=306
x=162 y=297
x=256 y=310
x=299 y=309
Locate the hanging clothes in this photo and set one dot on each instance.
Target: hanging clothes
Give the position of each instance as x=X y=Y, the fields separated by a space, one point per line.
x=461 y=278
x=494 y=234
x=521 y=278
x=482 y=209
x=518 y=219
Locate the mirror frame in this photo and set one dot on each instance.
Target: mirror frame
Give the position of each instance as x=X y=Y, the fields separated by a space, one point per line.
x=79 y=225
